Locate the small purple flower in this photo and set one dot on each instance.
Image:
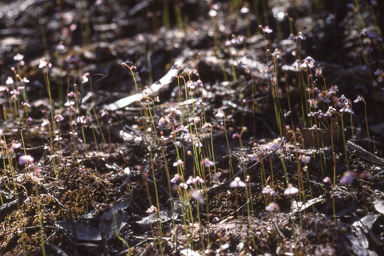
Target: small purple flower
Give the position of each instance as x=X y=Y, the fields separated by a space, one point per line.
x=16 y=145
x=266 y=29
x=207 y=162
x=82 y=120
x=71 y=94
x=25 y=159
x=15 y=92
x=347 y=177
x=161 y=121
x=183 y=185
x=268 y=190
x=194 y=119
x=308 y=62
x=197 y=180
x=305 y=159
x=275 y=145
x=291 y=190
x=188 y=137
x=327 y=180
x=359 y=98
x=248 y=179
x=277 y=54
x=59 y=118
x=346 y=109
x=182 y=128
x=151 y=209
x=301 y=36
x=296 y=65
x=198 y=82
x=378 y=72
x=272 y=207
x=61 y=48
x=197 y=143
x=176 y=178
x=237 y=183
x=196 y=195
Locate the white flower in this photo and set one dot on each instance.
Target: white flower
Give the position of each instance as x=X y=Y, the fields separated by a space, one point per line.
x=305 y=159
x=9 y=80
x=244 y=10
x=266 y=29
x=237 y=183
x=197 y=143
x=85 y=79
x=212 y=13
x=179 y=162
x=291 y=190
x=44 y=63
x=45 y=122
x=183 y=185
x=69 y=103
x=18 y=57
x=220 y=113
